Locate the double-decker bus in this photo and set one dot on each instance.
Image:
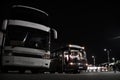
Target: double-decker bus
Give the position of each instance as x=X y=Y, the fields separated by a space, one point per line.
x=70 y=58
x=25 y=40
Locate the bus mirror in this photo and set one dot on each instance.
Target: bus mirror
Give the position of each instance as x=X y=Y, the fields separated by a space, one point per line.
x=4 y=25
x=55 y=33
x=1 y=38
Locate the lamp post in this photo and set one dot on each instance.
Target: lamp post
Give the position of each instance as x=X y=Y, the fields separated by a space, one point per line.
x=93 y=60
x=108 y=55
x=114 y=65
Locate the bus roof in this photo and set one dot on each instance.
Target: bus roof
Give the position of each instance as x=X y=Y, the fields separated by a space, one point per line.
x=32 y=8
x=69 y=46
x=75 y=46
x=28 y=13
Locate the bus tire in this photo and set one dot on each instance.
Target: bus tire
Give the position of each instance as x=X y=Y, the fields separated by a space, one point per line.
x=34 y=71
x=4 y=70
x=21 y=71
x=52 y=71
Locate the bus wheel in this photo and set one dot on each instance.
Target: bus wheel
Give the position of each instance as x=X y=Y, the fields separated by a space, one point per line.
x=41 y=71
x=34 y=71
x=60 y=71
x=4 y=70
x=21 y=71
x=52 y=71
x=75 y=71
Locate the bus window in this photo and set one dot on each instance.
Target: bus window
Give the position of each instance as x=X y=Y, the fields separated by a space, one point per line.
x=75 y=54
x=80 y=55
x=66 y=56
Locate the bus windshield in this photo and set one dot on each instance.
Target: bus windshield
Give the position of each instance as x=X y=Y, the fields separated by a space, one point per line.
x=27 y=37
x=28 y=14
x=75 y=54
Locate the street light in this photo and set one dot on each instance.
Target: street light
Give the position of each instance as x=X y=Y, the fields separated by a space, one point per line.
x=113 y=59
x=93 y=60
x=114 y=65
x=108 y=55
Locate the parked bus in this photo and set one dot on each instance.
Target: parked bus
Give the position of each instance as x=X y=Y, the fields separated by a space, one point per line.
x=70 y=58
x=25 y=40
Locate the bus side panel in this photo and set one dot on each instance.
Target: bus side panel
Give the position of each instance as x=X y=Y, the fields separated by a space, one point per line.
x=25 y=61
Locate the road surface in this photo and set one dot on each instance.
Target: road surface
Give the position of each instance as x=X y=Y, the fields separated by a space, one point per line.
x=62 y=76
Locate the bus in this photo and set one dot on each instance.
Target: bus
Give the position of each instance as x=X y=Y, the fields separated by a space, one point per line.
x=25 y=40
x=70 y=58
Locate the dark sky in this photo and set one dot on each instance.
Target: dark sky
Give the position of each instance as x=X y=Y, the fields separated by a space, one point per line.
x=95 y=25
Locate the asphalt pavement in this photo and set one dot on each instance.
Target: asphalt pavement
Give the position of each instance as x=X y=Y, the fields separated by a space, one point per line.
x=61 y=76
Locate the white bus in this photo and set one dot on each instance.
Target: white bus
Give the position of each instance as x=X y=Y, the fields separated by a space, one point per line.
x=26 y=38
x=69 y=58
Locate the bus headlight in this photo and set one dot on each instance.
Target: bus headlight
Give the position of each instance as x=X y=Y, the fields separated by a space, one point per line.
x=86 y=64
x=46 y=56
x=8 y=53
x=79 y=63
x=71 y=63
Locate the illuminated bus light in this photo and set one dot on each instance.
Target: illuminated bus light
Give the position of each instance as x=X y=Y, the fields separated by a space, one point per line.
x=76 y=46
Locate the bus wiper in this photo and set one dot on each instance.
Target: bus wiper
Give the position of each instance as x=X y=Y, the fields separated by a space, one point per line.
x=25 y=37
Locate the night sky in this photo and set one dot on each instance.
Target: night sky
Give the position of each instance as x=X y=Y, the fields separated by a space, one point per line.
x=95 y=25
